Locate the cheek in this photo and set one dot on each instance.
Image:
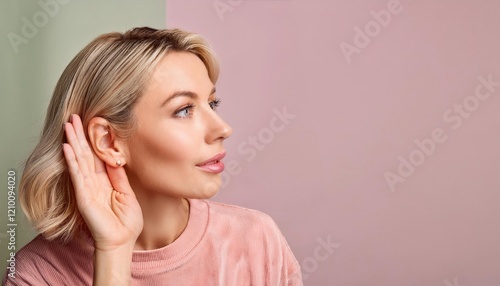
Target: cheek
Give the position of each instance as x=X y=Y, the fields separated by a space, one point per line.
x=165 y=148
x=164 y=160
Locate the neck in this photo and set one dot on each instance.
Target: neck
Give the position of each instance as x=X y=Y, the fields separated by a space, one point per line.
x=165 y=218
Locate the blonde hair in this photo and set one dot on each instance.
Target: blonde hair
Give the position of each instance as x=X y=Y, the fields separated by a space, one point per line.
x=105 y=79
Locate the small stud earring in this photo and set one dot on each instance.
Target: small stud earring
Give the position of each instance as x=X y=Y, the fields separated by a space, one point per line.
x=118 y=163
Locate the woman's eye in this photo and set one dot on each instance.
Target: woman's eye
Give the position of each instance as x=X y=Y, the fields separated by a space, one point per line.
x=187 y=111
x=214 y=104
x=184 y=112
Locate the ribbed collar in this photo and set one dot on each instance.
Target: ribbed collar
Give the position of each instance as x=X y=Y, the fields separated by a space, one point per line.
x=178 y=252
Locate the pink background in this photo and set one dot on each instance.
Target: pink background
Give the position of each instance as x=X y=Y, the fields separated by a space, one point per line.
x=322 y=177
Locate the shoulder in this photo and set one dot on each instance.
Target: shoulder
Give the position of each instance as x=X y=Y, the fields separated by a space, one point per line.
x=239 y=215
x=47 y=262
x=29 y=265
x=257 y=234
x=246 y=225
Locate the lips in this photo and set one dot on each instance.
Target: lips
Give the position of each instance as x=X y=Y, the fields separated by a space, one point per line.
x=213 y=160
x=214 y=164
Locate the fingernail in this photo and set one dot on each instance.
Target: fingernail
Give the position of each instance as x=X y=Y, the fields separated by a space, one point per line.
x=71 y=118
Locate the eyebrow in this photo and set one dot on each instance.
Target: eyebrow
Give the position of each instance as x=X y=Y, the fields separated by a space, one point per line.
x=186 y=93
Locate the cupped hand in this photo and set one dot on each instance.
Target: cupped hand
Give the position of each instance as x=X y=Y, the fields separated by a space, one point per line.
x=103 y=193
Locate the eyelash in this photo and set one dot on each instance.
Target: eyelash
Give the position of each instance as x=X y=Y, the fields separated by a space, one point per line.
x=213 y=104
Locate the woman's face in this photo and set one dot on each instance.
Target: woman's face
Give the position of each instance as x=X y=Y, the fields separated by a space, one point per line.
x=177 y=129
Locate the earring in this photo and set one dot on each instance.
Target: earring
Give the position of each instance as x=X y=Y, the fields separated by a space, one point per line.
x=118 y=163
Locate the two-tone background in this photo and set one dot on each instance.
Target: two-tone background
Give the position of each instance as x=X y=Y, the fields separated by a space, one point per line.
x=369 y=130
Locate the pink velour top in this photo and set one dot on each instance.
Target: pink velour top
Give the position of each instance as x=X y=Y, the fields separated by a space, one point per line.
x=221 y=245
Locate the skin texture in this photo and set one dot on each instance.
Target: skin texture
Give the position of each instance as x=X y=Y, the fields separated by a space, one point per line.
x=141 y=204
x=168 y=144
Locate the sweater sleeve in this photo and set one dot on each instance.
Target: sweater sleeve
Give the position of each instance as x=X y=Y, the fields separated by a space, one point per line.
x=33 y=274
x=32 y=268
x=294 y=275
x=257 y=238
x=291 y=273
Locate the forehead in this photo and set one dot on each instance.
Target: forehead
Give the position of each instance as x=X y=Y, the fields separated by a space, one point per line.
x=181 y=71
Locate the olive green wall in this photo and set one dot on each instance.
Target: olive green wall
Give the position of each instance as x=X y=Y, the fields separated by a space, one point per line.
x=37 y=40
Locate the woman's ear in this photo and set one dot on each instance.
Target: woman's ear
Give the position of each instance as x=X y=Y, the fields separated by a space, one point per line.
x=104 y=142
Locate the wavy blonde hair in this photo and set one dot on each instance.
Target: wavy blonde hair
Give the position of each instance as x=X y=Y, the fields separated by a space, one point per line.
x=106 y=79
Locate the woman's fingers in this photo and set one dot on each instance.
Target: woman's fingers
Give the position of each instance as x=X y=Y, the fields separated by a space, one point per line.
x=99 y=165
x=85 y=164
x=74 y=171
x=84 y=149
x=103 y=193
x=119 y=180
x=74 y=142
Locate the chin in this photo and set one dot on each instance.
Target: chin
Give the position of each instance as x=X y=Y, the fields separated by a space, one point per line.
x=209 y=189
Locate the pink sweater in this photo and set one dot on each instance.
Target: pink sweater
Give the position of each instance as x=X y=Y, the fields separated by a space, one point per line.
x=221 y=245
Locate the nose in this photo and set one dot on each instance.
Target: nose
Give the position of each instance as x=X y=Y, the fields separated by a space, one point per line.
x=217 y=128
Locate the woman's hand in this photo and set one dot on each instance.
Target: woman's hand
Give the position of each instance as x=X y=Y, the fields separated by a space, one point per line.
x=108 y=206
x=103 y=193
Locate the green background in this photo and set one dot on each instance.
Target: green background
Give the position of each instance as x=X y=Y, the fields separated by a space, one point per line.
x=28 y=77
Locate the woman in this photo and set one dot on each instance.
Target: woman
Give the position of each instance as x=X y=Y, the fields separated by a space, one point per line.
x=118 y=194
